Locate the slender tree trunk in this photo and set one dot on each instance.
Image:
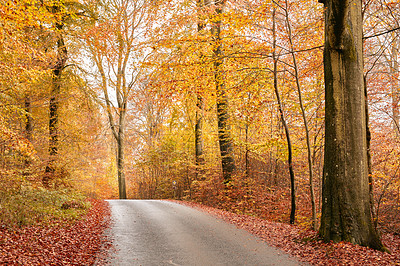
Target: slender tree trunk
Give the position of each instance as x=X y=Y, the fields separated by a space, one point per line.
x=395 y=84
x=118 y=131
x=121 y=155
x=120 y=139
x=198 y=134
x=346 y=208
x=28 y=119
x=198 y=131
x=303 y=113
x=369 y=159
x=28 y=129
x=225 y=140
x=285 y=126
x=119 y=67
x=62 y=56
x=246 y=155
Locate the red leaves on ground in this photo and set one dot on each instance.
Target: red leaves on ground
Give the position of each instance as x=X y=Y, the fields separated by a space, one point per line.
x=305 y=245
x=77 y=244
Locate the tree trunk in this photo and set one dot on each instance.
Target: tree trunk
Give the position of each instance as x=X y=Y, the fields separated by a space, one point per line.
x=225 y=140
x=395 y=84
x=285 y=126
x=246 y=154
x=198 y=131
x=62 y=56
x=369 y=159
x=346 y=208
x=121 y=156
x=28 y=119
x=303 y=113
x=28 y=129
x=198 y=134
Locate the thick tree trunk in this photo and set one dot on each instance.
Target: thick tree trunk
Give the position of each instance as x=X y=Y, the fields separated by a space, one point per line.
x=225 y=140
x=62 y=56
x=346 y=208
x=285 y=126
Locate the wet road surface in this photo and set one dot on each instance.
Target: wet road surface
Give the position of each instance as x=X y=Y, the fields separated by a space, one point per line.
x=153 y=232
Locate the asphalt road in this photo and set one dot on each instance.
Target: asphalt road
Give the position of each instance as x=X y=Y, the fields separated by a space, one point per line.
x=152 y=232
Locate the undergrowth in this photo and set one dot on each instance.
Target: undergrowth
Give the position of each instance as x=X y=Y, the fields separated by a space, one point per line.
x=37 y=206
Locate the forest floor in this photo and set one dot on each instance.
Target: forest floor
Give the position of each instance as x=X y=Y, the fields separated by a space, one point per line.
x=59 y=243
x=305 y=244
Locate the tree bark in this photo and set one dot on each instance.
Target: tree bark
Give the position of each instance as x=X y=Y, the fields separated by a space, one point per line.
x=121 y=156
x=285 y=126
x=28 y=119
x=28 y=129
x=62 y=56
x=225 y=140
x=198 y=134
x=346 y=208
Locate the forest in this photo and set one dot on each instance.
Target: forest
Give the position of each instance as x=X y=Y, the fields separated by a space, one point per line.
x=249 y=106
